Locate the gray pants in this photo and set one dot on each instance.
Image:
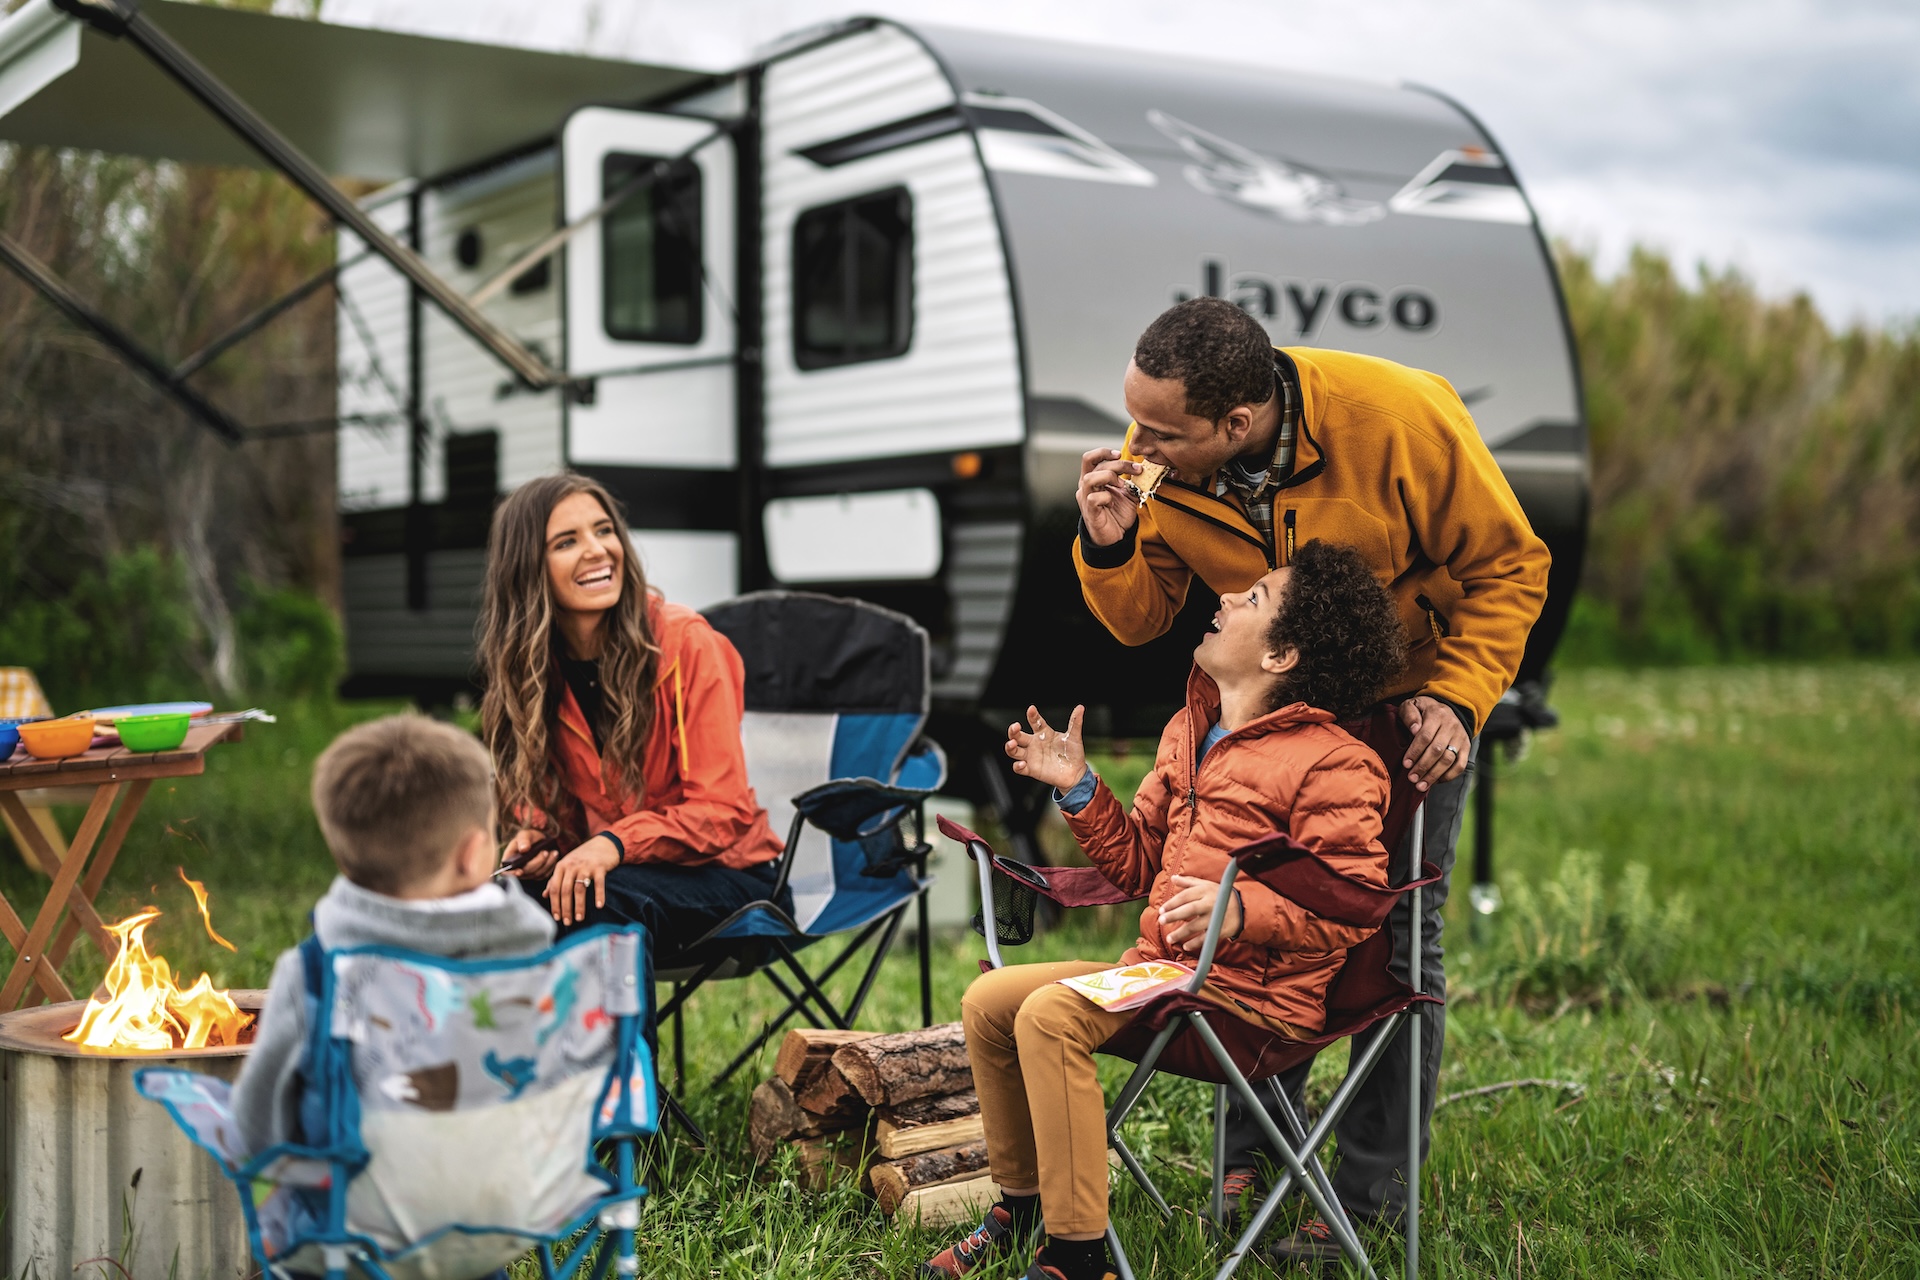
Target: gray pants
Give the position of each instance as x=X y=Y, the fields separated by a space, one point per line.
x=1372 y=1135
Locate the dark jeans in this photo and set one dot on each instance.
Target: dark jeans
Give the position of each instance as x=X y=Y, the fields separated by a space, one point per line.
x=1372 y=1135
x=676 y=904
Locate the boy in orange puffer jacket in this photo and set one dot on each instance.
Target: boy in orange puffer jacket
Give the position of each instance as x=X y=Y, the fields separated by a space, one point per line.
x=1254 y=751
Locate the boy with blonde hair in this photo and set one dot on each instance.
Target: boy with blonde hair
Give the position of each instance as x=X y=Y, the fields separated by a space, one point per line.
x=406 y=805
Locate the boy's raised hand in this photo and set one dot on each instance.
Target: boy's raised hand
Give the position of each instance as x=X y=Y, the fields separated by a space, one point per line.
x=1046 y=754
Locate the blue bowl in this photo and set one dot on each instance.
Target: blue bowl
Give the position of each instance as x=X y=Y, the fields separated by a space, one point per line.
x=10 y=734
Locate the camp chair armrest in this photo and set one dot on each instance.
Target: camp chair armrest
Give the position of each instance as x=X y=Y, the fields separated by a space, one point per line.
x=846 y=808
x=1215 y=923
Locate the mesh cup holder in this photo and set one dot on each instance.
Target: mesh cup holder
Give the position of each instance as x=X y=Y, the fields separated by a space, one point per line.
x=1014 y=901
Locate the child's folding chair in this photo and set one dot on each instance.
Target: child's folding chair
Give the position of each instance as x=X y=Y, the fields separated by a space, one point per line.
x=456 y=1115
x=1186 y=1034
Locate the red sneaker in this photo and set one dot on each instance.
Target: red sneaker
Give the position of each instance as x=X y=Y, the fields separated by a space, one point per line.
x=993 y=1240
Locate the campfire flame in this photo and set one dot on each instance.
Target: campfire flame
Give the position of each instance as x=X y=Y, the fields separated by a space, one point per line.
x=139 y=1009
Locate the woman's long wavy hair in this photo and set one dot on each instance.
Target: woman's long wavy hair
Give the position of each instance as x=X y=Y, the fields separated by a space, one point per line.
x=520 y=648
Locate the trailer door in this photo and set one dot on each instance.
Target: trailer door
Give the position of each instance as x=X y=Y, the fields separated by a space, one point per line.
x=650 y=316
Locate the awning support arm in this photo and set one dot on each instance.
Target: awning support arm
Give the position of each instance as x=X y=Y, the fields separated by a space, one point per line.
x=263 y=317
x=122 y=19
x=551 y=244
x=76 y=309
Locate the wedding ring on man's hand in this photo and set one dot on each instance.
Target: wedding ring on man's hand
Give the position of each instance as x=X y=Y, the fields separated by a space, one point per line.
x=1453 y=751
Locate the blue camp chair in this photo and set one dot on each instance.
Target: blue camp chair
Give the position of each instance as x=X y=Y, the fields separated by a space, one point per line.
x=458 y=1113
x=837 y=696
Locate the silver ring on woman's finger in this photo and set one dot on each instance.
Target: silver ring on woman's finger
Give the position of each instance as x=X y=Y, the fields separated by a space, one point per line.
x=1453 y=751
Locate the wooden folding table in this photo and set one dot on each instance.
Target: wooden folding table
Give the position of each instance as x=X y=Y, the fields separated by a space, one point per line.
x=115 y=774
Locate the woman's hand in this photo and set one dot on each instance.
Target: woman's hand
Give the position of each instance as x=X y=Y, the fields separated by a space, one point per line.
x=1048 y=755
x=587 y=866
x=533 y=868
x=1184 y=916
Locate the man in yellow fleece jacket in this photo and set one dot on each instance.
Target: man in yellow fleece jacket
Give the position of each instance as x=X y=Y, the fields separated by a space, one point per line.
x=1266 y=449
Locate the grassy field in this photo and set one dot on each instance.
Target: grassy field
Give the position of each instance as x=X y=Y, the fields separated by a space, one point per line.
x=1712 y=880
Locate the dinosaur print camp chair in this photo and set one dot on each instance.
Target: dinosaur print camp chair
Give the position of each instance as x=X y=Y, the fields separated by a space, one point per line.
x=1184 y=1034
x=457 y=1114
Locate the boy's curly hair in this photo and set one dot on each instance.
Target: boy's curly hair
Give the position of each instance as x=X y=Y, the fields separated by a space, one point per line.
x=1346 y=628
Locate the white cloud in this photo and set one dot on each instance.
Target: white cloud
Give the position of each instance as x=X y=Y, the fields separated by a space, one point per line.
x=1778 y=136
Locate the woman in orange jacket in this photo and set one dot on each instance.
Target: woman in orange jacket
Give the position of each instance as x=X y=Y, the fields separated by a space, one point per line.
x=1254 y=751
x=613 y=717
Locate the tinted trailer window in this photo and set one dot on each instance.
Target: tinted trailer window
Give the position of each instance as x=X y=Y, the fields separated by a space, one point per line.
x=650 y=248
x=853 y=280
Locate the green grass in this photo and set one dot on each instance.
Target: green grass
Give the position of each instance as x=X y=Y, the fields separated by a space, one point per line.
x=1752 y=1086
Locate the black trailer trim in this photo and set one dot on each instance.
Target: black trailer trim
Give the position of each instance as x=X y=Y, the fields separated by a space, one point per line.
x=885 y=137
x=673 y=498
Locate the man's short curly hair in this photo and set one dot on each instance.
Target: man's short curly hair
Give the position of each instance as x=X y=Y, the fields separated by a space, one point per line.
x=1345 y=627
x=1218 y=350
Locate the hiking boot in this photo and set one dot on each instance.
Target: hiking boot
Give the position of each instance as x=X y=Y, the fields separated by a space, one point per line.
x=994 y=1240
x=1312 y=1245
x=1240 y=1180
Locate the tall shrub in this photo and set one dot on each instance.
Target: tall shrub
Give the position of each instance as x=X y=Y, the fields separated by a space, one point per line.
x=1756 y=485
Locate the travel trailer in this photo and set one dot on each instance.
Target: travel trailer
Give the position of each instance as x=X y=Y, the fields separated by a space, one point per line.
x=844 y=319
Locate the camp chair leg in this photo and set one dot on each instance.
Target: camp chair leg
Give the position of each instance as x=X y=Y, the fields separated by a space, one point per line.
x=1139 y=1172
x=796 y=1003
x=1219 y=1206
x=1121 y=1267
x=1309 y=1154
x=873 y=966
x=1329 y=1210
x=807 y=984
x=679 y=1045
x=671 y=1105
x=926 y=959
x=1137 y=1082
x=548 y=1268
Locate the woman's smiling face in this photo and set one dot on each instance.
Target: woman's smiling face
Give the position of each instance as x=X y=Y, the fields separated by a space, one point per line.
x=584 y=555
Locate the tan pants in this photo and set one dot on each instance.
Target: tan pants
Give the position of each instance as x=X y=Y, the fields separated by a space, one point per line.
x=1031 y=1043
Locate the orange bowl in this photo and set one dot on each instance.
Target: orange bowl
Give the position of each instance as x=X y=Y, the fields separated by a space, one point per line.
x=57 y=739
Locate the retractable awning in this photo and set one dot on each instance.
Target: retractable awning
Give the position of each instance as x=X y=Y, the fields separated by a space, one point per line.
x=377 y=105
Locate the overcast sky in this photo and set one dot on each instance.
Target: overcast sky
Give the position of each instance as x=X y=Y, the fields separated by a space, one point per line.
x=1778 y=136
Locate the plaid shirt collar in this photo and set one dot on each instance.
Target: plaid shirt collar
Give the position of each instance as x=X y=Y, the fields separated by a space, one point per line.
x=1242 y=480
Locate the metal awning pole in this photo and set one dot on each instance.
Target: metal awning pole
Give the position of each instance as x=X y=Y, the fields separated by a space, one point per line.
x=77 y=309
x=264 y=316
x=122 y=19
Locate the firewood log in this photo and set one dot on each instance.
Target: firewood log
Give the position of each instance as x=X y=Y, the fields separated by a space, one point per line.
x=889 y=1070
x=950 y=1204
x=804 y=1053
x=775 y=1117
x=830 y=1094
x=927 y=1124
x=824 y=1161
x=893 y=1180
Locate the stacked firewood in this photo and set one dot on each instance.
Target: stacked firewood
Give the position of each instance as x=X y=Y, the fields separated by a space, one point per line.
x=896 y=1111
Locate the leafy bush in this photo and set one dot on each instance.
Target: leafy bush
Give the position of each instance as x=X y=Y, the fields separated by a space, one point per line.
x=1577 y=940
x=290 y=643
x=126 y=632
x=123 y=633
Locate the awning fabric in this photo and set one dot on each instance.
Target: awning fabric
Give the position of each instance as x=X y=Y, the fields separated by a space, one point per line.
x=378 y=105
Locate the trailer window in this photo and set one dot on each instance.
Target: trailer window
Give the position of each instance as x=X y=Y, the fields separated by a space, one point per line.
x=650 y=252
x=853 y=280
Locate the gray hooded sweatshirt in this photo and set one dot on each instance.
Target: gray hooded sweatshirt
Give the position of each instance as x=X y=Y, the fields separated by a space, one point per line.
x=493 y=921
